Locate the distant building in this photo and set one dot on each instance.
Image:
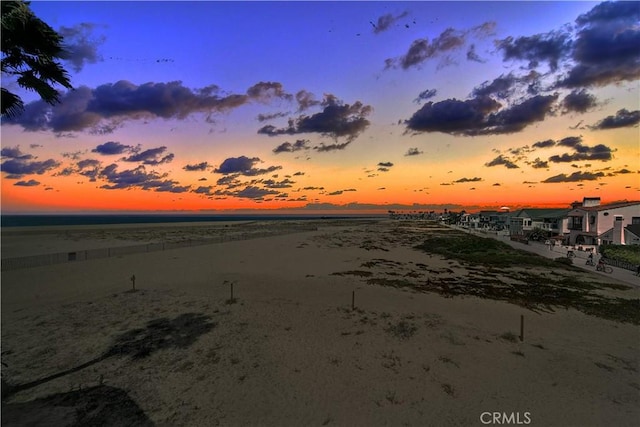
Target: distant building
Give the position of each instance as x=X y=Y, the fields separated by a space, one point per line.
x=553 y=221
x=591 y=223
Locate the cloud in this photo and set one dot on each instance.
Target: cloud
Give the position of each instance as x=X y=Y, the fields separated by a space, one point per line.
x=197 y=167
x=285 y=183
x=106 y=107
x=599 y=152
x=544 y=144
x=203 y=190
x=139 y=178
x=244 y=166
x=605 y=50
x=502 y=87
x=287 y=147
x=14 y=153
x=16 y=168
x=472 y=55
x=306 y=100
x=449 y=40
x=79 y=47
x=424 y=95
x=331 y=147
x=550 y=47
x=266 y=117
x=385 y=21
x=413 y=152
x=579 y=101
x=501 y=160
x=111 y=147
x=385 y=164
x=574 y=177
x=265 y=91
x=152 y=157
x=570 y=141
x=622 y=118
x=539 y=164
x=253 y=193
x=336 y=120
x=30 y=183
x=475 y=179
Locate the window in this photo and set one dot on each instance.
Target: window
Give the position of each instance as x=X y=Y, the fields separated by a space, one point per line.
x=635 y=220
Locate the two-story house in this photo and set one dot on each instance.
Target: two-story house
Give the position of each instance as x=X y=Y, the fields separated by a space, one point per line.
x=592 y=223
x=553 y=221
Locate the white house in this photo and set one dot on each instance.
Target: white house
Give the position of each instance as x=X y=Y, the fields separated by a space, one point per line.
x=591 y=223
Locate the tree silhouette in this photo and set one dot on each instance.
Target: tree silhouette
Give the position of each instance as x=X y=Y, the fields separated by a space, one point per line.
x=30 y=49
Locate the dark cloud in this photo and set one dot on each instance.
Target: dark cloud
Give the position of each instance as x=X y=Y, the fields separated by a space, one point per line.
x=88 y=163
x=152 y=157
x=570 y=141
x=385 y=164
x=30 y=183
x=539 y=164
x=452 y=116
x=80 y=46
x=501 y=160
x=574 y=177
x=551 y=48
x=111 y=147
x=266 y=117
x=197 y=167
x=472 y=55
x=265 y=91
x=285 y=183
x=139 y=178
x=622 y=118
x=305 y=100
x=104 y=108
x=413 y=152
x=502 y=87
x=331 y=147
x=16 y=168
x=479 y=116
x=336 y=120
x=203 y=190
x=253 y=193
x=287 y=147
x=14 y=153
x=579 y=101
x=424 y=95
x=606 y=50
x=385 y=21
x=448 y=41
x=243 y=166
x=599 y=152
x=299 y=173
x=475 y=179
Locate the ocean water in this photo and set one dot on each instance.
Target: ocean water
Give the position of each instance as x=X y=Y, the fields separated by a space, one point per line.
x=49 y=220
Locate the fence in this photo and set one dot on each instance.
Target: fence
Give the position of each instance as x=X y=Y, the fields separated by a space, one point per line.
x=620 y=264
x=89 y=254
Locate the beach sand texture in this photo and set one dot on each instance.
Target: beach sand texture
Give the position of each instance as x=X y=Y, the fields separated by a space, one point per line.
x=416 y=348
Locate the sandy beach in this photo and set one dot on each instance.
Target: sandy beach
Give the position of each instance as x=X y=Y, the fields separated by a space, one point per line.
x=347 y=324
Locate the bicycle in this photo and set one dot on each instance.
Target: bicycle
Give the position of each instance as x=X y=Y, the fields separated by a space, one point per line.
x=590 y=262
x=604 y=267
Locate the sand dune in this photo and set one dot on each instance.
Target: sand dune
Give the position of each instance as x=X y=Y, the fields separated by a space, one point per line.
x=291 y=350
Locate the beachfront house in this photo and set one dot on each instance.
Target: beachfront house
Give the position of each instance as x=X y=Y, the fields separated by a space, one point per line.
x=552 y=221
x=591 y=223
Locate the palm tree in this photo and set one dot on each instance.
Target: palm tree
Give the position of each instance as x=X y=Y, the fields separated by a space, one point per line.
x=30 y=49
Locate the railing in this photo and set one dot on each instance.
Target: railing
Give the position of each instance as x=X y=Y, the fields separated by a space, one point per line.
x=620 y=264
x=89 y=254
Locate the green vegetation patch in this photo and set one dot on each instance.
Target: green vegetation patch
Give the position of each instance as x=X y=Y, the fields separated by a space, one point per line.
x=481 y=250
x=625 y=253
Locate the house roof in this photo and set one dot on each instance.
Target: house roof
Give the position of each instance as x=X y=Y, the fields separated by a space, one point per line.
x=539 y=213
x=609 y=206
x=634 y=228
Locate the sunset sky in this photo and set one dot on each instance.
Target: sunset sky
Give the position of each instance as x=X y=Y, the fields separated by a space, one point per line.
x=330 y=107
